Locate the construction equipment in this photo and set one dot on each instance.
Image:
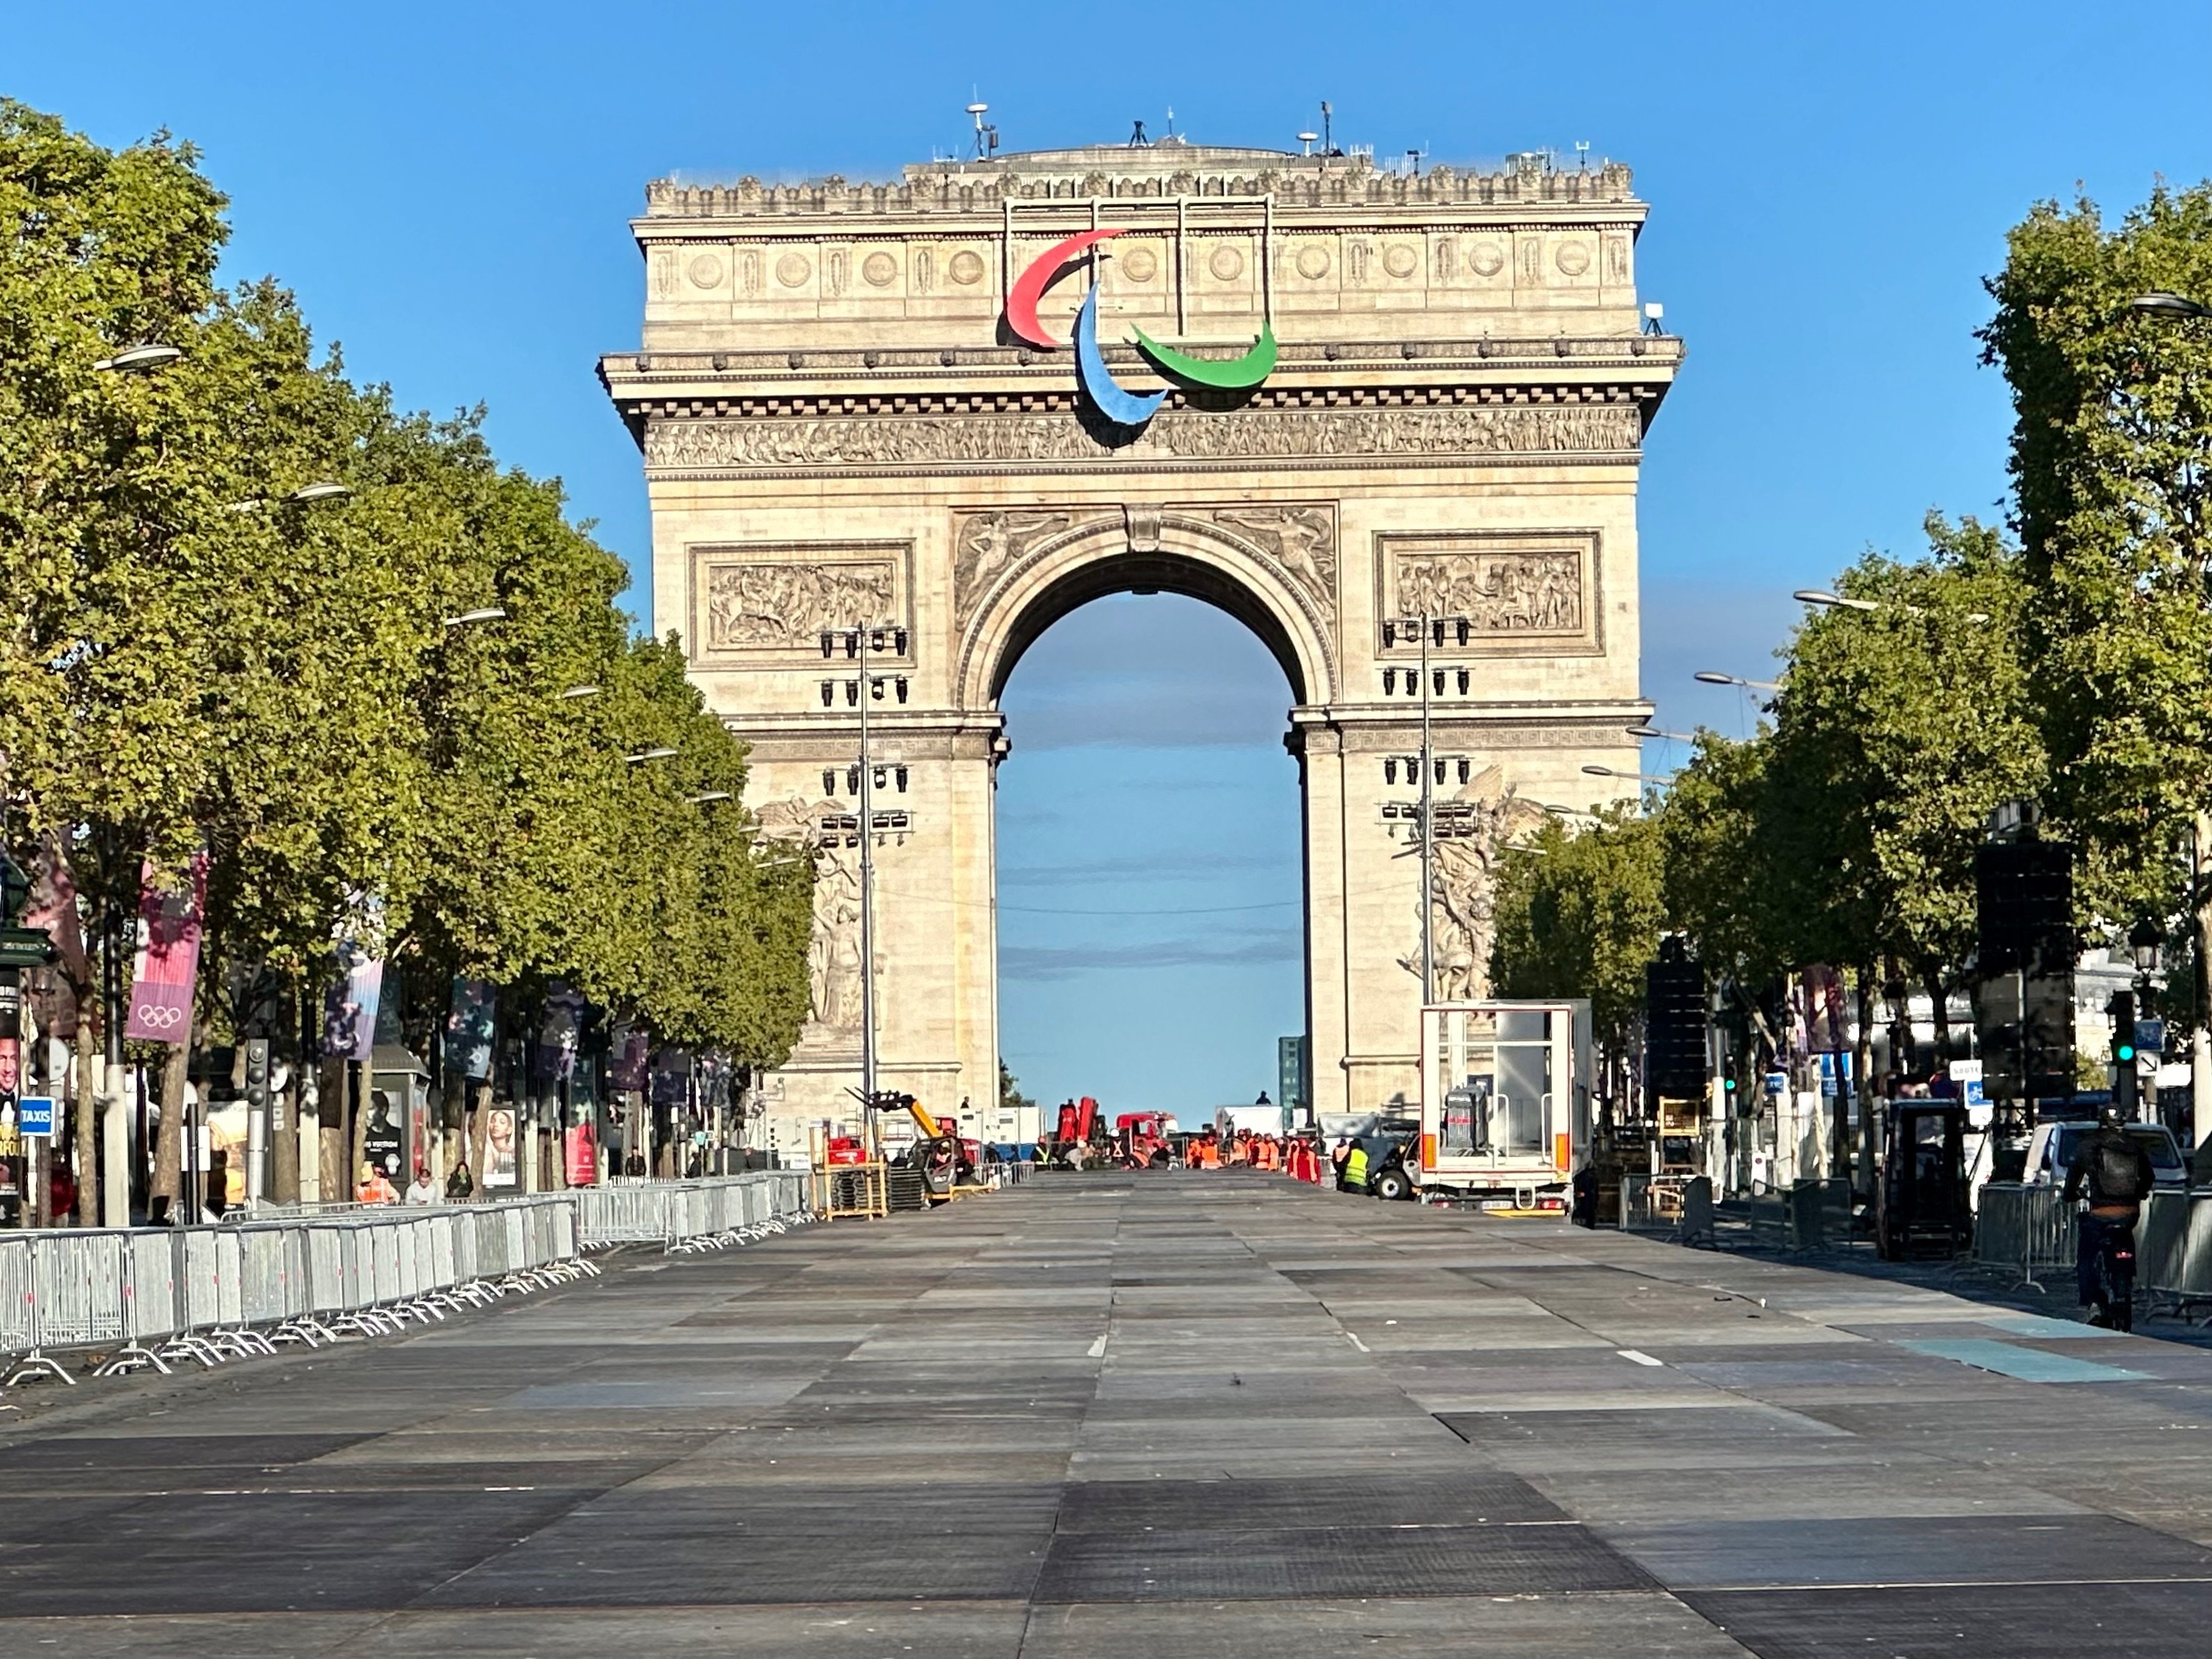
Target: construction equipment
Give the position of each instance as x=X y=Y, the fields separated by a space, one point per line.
x=1079 y=1126
x=1140 y=1139
x=944 y=1161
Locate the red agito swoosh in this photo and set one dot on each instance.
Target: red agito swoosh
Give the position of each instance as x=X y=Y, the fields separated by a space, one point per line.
x=1029 y=288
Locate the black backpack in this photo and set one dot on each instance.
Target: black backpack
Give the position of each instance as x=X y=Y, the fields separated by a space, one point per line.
x=2118 y=1171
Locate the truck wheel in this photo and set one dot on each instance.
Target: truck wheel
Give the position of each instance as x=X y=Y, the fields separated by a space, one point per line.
x=1394 y=1185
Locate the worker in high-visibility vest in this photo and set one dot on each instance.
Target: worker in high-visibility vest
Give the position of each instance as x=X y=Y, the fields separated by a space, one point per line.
x=1354 y=1178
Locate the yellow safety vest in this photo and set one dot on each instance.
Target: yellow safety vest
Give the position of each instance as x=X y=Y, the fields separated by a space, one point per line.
x=1355 y=1167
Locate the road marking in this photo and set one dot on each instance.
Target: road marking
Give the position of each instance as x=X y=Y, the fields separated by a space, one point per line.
x=1638 y=1356
x=1357 y=1343
x=1098 y=1348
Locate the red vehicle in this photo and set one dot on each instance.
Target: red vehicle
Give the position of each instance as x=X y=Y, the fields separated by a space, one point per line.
x=1141 y=1138
x=845 y=1151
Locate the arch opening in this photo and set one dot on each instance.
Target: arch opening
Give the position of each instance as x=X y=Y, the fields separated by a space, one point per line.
x=1149 y=851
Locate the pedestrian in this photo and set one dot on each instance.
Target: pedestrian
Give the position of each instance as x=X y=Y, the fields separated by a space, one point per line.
x=460 y=1185
x=419 y=1190
x=373 y=1188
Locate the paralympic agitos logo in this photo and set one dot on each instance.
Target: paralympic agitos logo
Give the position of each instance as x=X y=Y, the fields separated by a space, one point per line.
x=1122 y=407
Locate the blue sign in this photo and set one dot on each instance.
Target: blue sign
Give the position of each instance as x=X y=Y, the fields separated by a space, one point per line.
x=2150 y=1036
x=34 y=1114
x=1778 y=1083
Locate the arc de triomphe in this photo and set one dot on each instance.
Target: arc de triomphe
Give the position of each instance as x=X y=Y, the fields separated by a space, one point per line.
x=841 y=423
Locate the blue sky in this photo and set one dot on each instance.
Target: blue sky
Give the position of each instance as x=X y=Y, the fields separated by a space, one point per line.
x=447 y=187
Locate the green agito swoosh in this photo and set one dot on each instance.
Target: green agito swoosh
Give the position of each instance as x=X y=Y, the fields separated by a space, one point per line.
x=1236 y=375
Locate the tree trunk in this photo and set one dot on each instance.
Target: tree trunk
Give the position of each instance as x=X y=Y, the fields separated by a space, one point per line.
x=166 y=1187
x=1931 y=976
x=334 y=1185
x=356 y=1107
x=480 y=1131
x=88 y=1067
x=284 y=1145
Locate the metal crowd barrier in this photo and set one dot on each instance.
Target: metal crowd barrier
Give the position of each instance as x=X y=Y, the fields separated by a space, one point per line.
x=711 y=1213
x=2024 y=1230
x=156 y=1296
x=2173 y=1254
x=1676 y=1208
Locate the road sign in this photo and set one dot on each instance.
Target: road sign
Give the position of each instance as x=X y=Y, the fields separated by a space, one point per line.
x=24 y=947
x=2150 y=1036
x=34 y=1114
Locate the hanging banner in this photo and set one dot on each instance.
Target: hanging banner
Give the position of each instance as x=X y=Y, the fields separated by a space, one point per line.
x=51 y=908
x=557 y=1033
x=469 y=1028
x=1828 y=1027
x=349 y=1009
x=168 y=963
x=629 y=1053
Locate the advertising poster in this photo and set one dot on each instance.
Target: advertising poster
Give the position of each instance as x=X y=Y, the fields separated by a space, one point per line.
x=500 y=1170
x=168 y=958
x=383 y=1138
x=583 y=1149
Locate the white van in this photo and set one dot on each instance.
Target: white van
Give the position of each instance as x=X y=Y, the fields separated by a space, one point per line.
x=2050 y=1152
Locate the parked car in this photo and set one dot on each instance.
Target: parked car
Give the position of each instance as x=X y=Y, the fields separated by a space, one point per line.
x=2050 y=1152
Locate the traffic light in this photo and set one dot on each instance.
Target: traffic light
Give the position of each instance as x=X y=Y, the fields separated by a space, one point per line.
x=2125 y=1085
x=256 y=1074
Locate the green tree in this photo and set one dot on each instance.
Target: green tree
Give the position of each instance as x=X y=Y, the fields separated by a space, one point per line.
x=2111 y=438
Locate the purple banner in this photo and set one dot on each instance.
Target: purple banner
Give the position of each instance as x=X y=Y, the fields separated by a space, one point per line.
x=469 y=1030
x=168 y=961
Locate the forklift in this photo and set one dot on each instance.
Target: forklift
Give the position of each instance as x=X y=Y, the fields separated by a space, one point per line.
x=1922 y=1207
x=946 y=1162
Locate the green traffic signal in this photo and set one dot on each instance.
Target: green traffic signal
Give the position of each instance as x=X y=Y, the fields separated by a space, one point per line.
x=2124 y=1052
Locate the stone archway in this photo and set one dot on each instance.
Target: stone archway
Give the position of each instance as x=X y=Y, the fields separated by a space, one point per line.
x=833 y=423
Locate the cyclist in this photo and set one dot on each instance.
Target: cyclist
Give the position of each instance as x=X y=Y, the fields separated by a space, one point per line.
x=2111 y=1165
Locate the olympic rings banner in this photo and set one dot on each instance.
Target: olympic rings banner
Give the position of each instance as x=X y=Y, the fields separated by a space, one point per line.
x=168 y=963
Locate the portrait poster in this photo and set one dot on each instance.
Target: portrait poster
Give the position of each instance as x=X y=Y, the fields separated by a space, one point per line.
x=502 y=1169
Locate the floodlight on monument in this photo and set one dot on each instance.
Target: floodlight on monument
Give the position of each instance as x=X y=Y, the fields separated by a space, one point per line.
x=875 y=687
x=898 y=641
x=1466 y=679
x=829 y=643
x=853 y=779
x=829 y=780
x=882 y=775
x=1390 y=681
x=875 y=639
x=1465 y=769
x=1389 y=769
x=851 y=694
x=1436 y=681
x=1464 y=629
x=900 y=685
x=1436 y=631
x=1390 y=633
x=899 y=773
x=829 y=693
x=852 y=642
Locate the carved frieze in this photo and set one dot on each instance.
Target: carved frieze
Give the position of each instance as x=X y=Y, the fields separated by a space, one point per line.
x=1254 y=434
x=774 y=599
x=1534 y=590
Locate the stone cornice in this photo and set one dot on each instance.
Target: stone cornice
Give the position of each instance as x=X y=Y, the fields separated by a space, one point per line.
x=1159 y=177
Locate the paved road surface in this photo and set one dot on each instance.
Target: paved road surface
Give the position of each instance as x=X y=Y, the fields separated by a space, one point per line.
x=1174 y=1415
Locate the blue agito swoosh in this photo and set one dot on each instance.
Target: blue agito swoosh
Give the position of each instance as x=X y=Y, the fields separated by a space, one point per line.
x=1122 y=407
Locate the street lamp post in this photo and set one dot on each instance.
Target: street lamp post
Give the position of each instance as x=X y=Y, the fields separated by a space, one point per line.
x=858 y=642
x=1432 y=630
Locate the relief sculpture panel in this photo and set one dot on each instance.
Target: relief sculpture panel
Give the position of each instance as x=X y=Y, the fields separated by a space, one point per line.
x=1537 y=589
x=1303 y=540
x=779 y=599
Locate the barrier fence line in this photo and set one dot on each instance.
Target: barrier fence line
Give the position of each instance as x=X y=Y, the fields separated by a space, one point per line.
x=159 y=1296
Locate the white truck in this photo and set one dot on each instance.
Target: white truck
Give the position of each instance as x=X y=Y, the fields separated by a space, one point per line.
x=1505 y=1103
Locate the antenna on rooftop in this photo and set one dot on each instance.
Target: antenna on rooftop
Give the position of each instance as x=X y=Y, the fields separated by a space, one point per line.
x=1306 y=139
x=1328 y=142
x=1582 y=155
x=986 y=138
